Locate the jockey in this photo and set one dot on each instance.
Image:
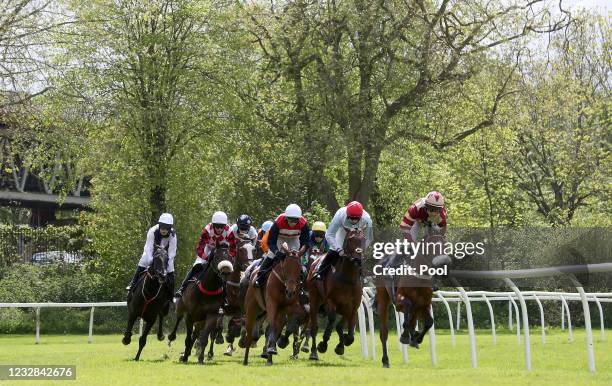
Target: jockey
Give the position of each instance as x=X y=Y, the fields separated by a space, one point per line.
x=262 y=238
x=164 y=235
x=425 y=213
x=264 y=228
x=290 y=227
x=217 y=233
x=347 y=218
x=316 y=241
x=243 y=230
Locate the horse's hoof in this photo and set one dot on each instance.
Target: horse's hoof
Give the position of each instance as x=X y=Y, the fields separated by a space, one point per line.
x=386 y=365
x=348 y=339
x=339 y=349
x=183 y=358
x=313 y=356
x=161 y=337
x=269 y=363
x=172 y=337
x=322 y=347
x=293 y=357
x=245 y=363
x=272 y=350
x=305 y=349
x=126 y=340
x=283 y=342
x=210 y=356
x=219 y=339
x=200 y=361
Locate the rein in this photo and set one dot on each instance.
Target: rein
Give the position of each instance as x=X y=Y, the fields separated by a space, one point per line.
x=148 y=301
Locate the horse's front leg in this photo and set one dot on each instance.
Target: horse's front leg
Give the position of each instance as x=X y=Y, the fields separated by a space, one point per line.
x=339 y=329
x=143 y=338
x=209 y=330
x=329 y=328
x=127 y=335
x=351 y=321
x=276 y=327
x=188 y=339
x=427 y=323
x=383 y=301
x=160 y=327
x=408 y=325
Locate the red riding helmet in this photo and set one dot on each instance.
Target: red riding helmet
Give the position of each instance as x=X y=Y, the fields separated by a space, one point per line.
x=354 y=209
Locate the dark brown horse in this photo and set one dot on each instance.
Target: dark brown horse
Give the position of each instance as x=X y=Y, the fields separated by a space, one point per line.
x=244 y=256
x=201 y=301
x=411 y=295
x=149 y=300
x=278 y=300
x=340 y=293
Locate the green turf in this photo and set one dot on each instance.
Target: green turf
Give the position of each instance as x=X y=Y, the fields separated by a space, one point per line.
x=107 y=362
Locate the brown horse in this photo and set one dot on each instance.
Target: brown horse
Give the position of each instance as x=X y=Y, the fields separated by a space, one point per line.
x=279 y=301
x=201 y=302
x=244 y=257
x=412 y=296
x=340 y=292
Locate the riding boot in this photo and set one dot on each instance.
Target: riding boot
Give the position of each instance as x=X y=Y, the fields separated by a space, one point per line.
x=192 y=272
x=139 y=271
x=264 y=270
x=327 y=262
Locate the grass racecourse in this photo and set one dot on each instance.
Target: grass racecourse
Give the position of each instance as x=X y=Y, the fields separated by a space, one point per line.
x=107 y=362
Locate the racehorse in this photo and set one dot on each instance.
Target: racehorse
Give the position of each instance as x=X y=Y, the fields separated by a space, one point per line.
x=201 y=302
x=301 y=332
x=278 y=300
x=340 y=292
x=412 y=296
x=149 y=299
x=244 y=257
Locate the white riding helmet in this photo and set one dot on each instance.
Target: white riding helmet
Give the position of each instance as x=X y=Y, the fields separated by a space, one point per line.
x=266 y=226
x=435 y=199
x=166 y=218
x=293 y=210
x=219 y=218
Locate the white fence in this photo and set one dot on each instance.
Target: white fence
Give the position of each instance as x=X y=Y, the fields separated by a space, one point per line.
x=366 y=315
x=467 y=297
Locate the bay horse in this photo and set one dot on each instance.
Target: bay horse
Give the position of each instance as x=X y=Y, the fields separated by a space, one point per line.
x=412 y=296
x=340 y=292
x=244 y=257
x=301 y=332
x=201 y=302
x=149 y=300
x=278 y=300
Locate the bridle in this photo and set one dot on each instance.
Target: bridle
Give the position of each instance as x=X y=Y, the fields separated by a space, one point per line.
x=283 y=276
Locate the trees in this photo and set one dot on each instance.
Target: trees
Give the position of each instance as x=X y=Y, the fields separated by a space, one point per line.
x=360 y=73
x=561 y=157
x=141 y=59
x=27 y=32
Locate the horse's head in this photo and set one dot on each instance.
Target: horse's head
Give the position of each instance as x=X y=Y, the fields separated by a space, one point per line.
x=160 y=263
x=354 y=245
x=221 y=263
x=435 y=249
x=291 y=269
x=244 y=255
